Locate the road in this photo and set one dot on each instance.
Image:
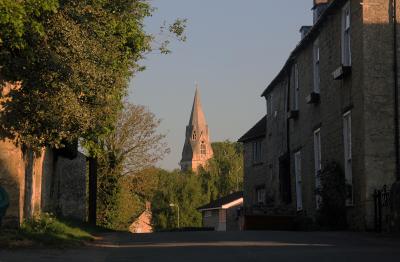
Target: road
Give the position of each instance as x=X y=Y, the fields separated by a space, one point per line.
x=221 y=246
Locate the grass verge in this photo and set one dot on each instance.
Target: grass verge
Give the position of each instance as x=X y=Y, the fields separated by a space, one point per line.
x=48 y=231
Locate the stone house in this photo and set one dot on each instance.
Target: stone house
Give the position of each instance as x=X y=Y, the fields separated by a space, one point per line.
x=336 y=100
x=255 y=167
x=142 y=224
x=223 y=214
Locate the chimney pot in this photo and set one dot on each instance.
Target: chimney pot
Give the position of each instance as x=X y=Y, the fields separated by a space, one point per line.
x=304 y=30
x=318 y=8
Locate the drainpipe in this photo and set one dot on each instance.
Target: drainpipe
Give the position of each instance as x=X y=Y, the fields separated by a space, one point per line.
x=396 y=92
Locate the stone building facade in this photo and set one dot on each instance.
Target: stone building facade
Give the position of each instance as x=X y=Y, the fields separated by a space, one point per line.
x=42 y=182
x=255 y=184
x=335 y=101
x=197 y=148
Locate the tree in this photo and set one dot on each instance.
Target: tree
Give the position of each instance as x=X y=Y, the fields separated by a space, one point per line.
x=225 y=170
x=183 y=189
x=134 y=145
x=127 y=154
x=222 y=176
x=69 y=62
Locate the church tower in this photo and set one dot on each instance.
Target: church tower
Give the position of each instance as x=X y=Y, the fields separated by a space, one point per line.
x=197 y=148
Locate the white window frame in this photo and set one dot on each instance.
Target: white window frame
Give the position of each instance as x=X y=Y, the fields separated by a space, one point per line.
x=317 y=164
x=260 y=195
x=348 y=163
x=299 y=188
x=296 y=88
x=317 y=66
x=346 y=35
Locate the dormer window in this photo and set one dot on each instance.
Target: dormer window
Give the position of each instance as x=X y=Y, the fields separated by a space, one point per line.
x=194 y=135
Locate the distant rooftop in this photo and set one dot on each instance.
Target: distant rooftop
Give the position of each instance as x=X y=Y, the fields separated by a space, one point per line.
x=220 y=202
x=257 y=131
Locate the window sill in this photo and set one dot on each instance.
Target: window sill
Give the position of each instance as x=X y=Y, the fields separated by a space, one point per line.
x=293 y=114
x=341 y=72
x=313 y=98
x=258 y=164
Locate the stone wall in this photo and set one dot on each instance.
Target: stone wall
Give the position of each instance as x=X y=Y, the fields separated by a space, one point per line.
x=70 y=187
x=255 y=174
x=41 y=182
x=12 y=179
x=211 y=221
x=378 y=87
x=233 y=219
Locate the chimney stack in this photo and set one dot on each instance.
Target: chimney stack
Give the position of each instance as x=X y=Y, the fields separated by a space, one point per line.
x=318 y=8
x=304 y=30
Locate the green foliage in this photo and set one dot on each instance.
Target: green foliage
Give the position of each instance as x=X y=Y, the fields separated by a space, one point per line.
x=71 y=61
x=332 y=211
x=124 y=179
x=182 y=189
x=224 y=173
x=222 y=176
x=117 y=203
x=45 y=230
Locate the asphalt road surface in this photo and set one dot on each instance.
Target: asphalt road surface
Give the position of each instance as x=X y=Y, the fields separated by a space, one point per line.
x=221 y=246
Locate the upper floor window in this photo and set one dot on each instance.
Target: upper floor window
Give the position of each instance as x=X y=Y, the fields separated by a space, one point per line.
x=257 y=151
x=316 y=59
x=194 y=135
x=203 y=148
x=346 y=26
x=296 y=88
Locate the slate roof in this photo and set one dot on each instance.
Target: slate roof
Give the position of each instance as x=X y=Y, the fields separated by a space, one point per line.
x=218 y=203
x=309 y=37
x=257 y=131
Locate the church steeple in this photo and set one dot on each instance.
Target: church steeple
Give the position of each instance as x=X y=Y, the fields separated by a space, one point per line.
x=197 y=148
x=197 y=117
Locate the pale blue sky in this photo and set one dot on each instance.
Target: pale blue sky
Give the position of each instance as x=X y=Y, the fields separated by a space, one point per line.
x=234 y=49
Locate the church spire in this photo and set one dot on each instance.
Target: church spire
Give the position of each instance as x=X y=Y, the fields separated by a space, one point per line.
x=197 y=148
x=197 y=117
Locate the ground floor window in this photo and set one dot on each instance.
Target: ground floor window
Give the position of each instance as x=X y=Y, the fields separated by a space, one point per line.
x=260 y=195
x=348 y=166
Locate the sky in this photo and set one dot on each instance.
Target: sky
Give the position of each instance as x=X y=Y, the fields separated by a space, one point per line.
x=234 y=48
